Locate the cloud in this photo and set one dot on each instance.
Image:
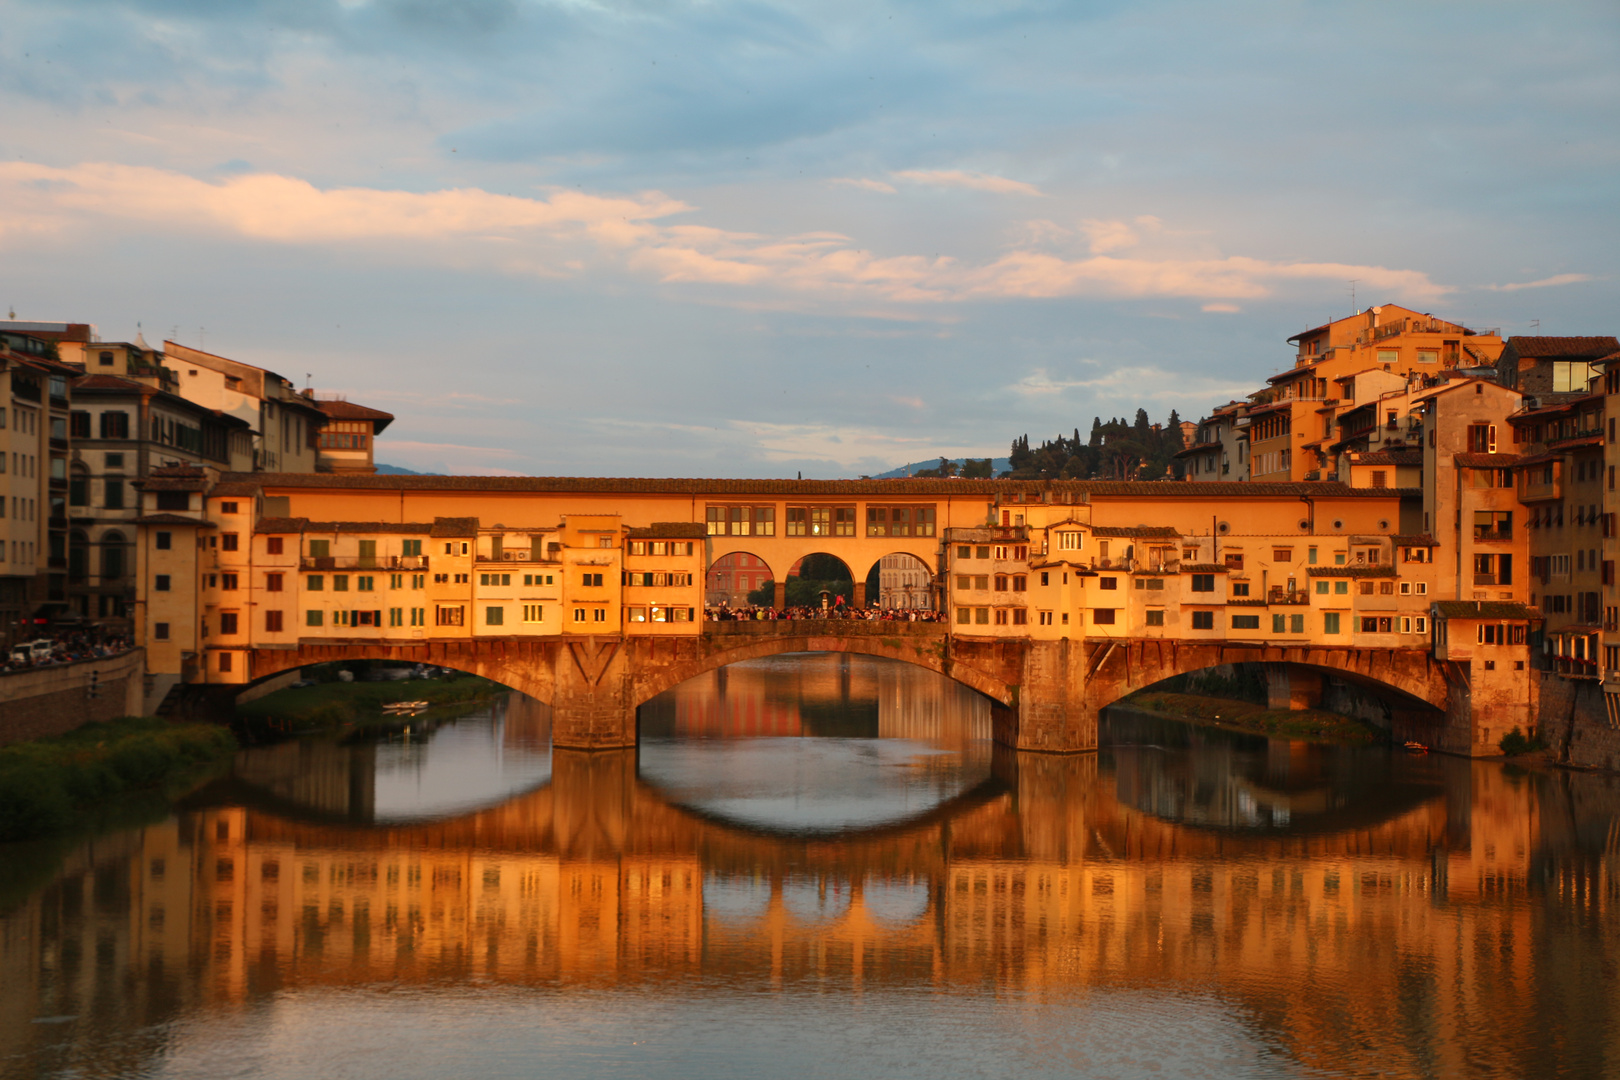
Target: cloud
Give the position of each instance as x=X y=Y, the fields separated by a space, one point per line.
x=863 y=182
x=1225 y=309
x=554 y=234
x=1129 y=384
x=998 y=185
x=1544 y=283
x=1106 y=236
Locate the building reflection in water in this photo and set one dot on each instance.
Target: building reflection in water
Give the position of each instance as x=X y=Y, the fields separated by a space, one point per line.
x=1465 y=926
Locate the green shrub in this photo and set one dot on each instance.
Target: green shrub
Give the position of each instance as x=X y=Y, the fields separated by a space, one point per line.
x=1517 y=742
x=46 y=782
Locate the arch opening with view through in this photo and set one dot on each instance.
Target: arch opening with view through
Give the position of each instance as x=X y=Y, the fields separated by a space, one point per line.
x=901 y=581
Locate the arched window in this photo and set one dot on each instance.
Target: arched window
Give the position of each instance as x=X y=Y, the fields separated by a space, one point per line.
x=112 y=555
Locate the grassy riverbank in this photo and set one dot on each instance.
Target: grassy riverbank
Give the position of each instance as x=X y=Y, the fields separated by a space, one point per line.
x=49 y=785
x=1312 y=725
x=333 y=705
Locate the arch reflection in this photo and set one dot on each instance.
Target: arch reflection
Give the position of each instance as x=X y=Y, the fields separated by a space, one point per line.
x=1053 y=882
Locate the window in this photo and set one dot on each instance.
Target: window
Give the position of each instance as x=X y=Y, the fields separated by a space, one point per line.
x=964 y=615
x=272 y=622
x=1203 y=620
x=1279 y=624
x=340 y=582
x=227 y=582
x=1154 y=617
x=1380 y=478
x=1020 y=616
x=1482 y=438
x=1239 y=588
x=500 y=579
x=227 y=623
x=1282 y=554
x=494 y=616
x=224 y=661
x=744 y=521
x=1103 y=616
x=314 y=618
x=1245 y=622
x=1310 y=556
x=1234 y=561
x=1001 y=616
x=115 y=425
x=396 y=616
x=160 y=631
x=533 y=613
x=964 y=552
x=1341 y=588
x=112 y=494
x=599 y=615
x=1493 y=525
x=1069 y=541
x=1330 y=622
x=1570 y=375
x=365 y=583
x=591 y=581
x=163 y=541
x=272 y=545
x=411 y=548
x=449 y=615
x=161 y=583
x=228 y=541
x=1203 y=583
x=315 y=582
x=981 y=616
x=272 y=583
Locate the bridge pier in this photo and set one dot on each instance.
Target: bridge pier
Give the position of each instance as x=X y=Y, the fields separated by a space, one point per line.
x=1292 y=688
x=592 y=703
x=1052 y=711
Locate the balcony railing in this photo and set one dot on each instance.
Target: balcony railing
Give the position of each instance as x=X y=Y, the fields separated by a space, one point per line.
x=1484 y=579
x=1493 y=534
x=1280 y=595
x=363 y=562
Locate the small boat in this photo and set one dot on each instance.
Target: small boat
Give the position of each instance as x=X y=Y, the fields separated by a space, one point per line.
x=1416 y=748
x=404 y=706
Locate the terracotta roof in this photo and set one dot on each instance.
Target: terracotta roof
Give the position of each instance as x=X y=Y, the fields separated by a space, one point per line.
x=1389 y=457
x=1485 y=609
x=671 y=530
x=1198 y=448
x=1205 y=568
x=173 y=519
x=1567 y=405
x=1474 y=460
x=1422 y=540
x=304 y=525
x=1164 y=532
x=1350 y=571
x=348 y=410
x=172 y=483
x=247 y=483
x=1578 y=348
x=1579 y=442
x=454 y=526
x=108 y=384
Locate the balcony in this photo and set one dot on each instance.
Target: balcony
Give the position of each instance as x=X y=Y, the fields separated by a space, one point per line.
x=1494 y=535
x=363 y=562
x=1013 y=534
x=1280 y=595
x=519 y=555
x=1484 y=579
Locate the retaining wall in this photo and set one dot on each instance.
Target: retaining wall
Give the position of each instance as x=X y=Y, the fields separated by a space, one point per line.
x=49 y=701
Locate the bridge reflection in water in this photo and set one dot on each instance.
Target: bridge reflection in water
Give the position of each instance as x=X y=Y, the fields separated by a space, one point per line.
x=1430 y=927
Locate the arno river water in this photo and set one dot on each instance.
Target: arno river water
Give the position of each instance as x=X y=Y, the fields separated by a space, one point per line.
x=819 y=866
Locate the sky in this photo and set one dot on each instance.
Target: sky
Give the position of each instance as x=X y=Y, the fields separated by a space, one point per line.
x=588 y=237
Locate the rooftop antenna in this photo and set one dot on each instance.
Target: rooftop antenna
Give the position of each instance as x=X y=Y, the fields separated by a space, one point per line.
x=1535 y=324
x=1353 y=309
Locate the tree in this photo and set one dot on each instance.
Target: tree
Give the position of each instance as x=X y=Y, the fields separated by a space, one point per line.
x=976 y=468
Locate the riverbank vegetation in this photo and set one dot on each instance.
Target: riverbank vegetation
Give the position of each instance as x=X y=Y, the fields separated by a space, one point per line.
x=1314 y=725
x=332 y=706
x=48 y=785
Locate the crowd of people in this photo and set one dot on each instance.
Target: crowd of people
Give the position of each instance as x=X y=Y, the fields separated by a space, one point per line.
x=751 y=613
x=66 y=646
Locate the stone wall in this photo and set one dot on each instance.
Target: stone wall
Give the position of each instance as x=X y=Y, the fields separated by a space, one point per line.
x=53 y=700
x=1574 y=721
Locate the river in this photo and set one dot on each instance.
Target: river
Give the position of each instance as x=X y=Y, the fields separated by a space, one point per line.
x=820 y=866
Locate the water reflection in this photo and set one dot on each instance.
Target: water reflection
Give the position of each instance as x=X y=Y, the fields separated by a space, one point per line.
x=1069 y=919
x=816 y=743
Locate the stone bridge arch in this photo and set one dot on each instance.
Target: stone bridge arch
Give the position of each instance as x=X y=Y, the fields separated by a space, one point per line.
x=526 y=666
x=1413 y=684
x=990 y=668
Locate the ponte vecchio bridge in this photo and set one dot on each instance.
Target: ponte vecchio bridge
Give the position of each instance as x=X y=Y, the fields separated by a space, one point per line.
x=1054 y=598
